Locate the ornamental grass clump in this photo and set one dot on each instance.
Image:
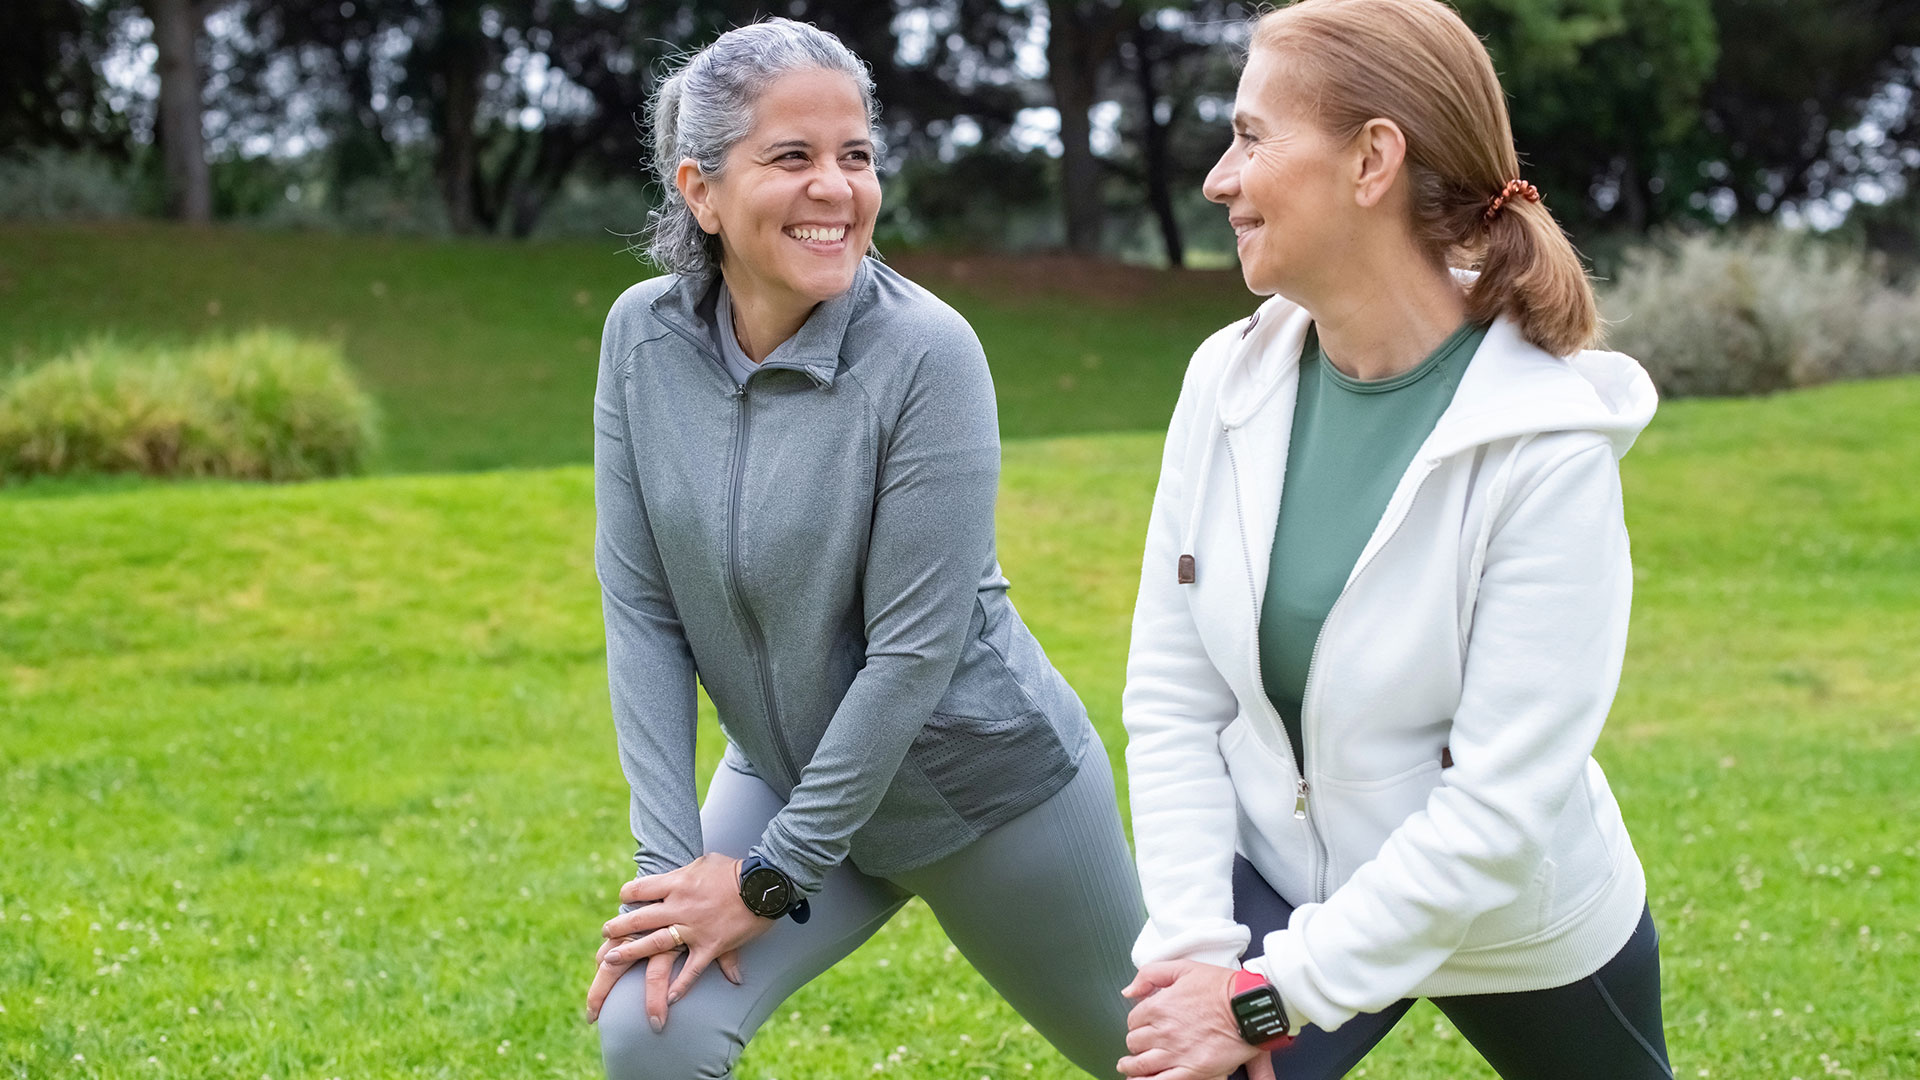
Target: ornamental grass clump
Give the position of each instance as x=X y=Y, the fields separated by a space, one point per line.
x=263 y=405
x=1753 y=313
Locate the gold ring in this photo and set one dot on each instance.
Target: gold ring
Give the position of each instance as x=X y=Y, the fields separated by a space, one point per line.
x=674 y=933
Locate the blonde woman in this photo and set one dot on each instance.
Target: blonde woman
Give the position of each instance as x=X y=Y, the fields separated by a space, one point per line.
x=1385 y=597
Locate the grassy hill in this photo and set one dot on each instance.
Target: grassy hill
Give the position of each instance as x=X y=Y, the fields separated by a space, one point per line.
x=319 y=781
x=483 y=353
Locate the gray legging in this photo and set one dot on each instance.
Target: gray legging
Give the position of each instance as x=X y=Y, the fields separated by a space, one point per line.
x=1063 y=867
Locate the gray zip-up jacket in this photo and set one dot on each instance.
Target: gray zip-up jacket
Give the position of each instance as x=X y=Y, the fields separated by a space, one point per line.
x=816 y=546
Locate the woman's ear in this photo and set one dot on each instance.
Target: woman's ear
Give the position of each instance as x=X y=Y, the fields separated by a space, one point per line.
x=1381 y=150
x=697 y=190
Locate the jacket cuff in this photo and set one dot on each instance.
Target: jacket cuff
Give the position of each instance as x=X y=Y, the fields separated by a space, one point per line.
x=1288 y=967
x=786 y=862
x=1217 y=942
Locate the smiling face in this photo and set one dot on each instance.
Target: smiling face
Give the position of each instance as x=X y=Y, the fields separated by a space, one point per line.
x=794 y=206
x=1285 y=185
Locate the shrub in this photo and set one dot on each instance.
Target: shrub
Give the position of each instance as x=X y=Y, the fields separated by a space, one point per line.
x=1758 y=312
x=56 y=185
x=263 y=406
x=592 y=211
x=398 y=205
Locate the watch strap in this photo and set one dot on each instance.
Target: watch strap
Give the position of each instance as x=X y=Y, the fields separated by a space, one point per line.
x=798 y=909
x=1245 y=982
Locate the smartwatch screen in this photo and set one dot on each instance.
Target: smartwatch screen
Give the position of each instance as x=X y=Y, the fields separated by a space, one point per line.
x=1259 y=1015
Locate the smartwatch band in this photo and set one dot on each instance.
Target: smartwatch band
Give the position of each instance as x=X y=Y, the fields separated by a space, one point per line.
x=768 y=892
x=1257 y=1011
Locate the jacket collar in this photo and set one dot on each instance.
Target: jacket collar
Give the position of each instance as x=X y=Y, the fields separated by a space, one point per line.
x=815 y=349
x=1510 y=388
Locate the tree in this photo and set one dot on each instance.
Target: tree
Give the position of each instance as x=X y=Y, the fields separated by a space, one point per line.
x=1082 y=37
x=1604 y=96
x=177 y=27
x=51 y=91
x=1173 y=59
x=1795 y=76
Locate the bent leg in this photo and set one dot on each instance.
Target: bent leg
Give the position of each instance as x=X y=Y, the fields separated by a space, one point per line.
x=1314 y=1054
x=1046 y=908
x=1606 y=1026
x=707 y=1029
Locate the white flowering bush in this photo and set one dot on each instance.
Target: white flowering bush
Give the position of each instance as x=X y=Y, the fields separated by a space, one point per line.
x=1752 y=313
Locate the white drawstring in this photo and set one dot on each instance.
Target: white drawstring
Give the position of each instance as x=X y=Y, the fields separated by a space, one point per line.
x=1186 y=570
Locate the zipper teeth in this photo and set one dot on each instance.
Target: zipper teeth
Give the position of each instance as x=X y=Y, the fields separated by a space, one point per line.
x=1313 y=658
x=1259 y=677
x=754 y=638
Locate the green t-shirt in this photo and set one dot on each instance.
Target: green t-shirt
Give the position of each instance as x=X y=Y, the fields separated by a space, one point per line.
x=1352 y=441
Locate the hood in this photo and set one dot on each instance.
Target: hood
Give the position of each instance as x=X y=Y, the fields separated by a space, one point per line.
x=1511 y=388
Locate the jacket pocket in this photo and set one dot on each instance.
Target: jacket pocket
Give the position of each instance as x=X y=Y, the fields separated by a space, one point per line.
x=1357 y=816
x=1278 y=844
x=985 y=769
x=1262 y=782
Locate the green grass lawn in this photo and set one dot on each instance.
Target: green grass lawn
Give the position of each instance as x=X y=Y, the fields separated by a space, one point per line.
x=319 y=781
x=483 y=353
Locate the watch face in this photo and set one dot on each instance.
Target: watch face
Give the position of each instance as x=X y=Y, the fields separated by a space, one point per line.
x=1259 y=1015
x=765 y=891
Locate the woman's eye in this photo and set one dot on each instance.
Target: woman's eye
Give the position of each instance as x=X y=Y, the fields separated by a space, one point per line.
x=860 y=158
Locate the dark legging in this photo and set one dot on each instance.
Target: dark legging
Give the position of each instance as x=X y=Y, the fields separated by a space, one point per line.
x=1603 y=1027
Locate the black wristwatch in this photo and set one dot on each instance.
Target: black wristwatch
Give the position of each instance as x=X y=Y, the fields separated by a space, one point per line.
x=1257 y=1011
x=769 y=893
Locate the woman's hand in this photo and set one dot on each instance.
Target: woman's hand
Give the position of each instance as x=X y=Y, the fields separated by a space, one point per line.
x=697 y=907
x=1183 y=1027
x=607 y=972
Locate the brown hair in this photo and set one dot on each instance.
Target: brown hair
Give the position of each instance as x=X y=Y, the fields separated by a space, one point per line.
x=1415 y=63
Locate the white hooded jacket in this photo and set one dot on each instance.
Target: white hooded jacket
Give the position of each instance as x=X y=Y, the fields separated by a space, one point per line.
x=1450 y=832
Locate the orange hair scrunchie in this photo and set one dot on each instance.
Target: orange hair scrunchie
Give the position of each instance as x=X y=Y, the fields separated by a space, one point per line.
x=1514 y=187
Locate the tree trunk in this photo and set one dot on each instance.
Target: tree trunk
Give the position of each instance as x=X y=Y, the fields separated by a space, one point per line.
x=1072 y=72
x=459 y=62
x=176 y=35
x=1633 y=197
x=1153 y=142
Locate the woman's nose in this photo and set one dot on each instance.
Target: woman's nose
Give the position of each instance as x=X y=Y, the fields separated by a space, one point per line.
x=1223 y=180
x=830 y=184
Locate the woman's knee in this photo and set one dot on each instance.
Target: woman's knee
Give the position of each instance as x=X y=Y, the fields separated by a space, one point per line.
x=691 y=1046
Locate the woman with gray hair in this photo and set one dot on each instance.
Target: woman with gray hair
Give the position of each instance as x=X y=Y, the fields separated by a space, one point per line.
x=795 y=463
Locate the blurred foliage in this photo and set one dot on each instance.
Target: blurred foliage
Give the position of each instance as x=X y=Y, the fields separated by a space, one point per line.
x=263 y=406
x=1605 y=101
x=986 y=198
x=53 y=87
x=1629 y=114
x=1796 y=79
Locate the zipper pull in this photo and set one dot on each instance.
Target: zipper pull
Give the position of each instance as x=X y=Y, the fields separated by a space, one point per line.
x=1300 y=800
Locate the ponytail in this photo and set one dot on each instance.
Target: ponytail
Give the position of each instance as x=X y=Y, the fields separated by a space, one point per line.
x=1530 y=273
x=674 y=239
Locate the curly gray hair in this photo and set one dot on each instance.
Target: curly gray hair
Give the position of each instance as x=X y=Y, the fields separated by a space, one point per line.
x=706 y=105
